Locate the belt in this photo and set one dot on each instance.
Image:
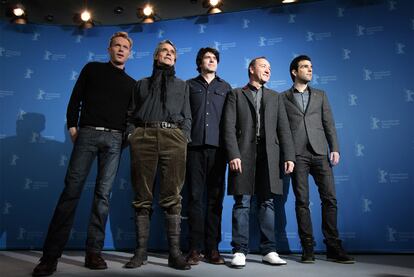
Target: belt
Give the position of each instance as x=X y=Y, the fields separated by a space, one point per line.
x=103 y=129
x=157 y=124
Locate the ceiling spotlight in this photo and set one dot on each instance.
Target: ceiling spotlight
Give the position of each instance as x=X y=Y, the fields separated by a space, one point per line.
x=18 y=11
x=18 y=14
x=148 y=10
x=147 y=14
x=85 y=16
x=84 y=20
x=288 y=1
x=213 y=6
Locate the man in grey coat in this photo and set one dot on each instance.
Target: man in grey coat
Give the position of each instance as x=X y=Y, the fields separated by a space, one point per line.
x=259 y=149
x=317 y=150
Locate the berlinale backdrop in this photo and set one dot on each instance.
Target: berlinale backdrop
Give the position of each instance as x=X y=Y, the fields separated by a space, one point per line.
x=363 y=55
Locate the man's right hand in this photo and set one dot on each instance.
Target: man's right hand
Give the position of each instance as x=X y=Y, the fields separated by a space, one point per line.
x=73 y=132
x=235 y=165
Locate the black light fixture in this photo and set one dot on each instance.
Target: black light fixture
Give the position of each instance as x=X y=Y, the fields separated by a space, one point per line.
x=18 y=13
x=213 y=6
x=118 y=10
x=49 y=18
x=147 y=14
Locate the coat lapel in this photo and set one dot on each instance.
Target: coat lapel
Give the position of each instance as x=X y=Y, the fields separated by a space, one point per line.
x=246 y=91
x=312 y=100
x=292 y=99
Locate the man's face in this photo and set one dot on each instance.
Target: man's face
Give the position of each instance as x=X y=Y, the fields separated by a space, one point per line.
x=166 y=55
x=119 y=50
x=261 y=71
x=208 y=63
x=304 y=72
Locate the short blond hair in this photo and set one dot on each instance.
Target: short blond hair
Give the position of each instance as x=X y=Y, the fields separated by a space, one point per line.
x=122 y=35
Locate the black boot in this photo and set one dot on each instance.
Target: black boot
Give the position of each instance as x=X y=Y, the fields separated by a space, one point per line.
x=336 y=253
x=175 y=258
x=46 y=267
x=308 y=256
x=142 y=224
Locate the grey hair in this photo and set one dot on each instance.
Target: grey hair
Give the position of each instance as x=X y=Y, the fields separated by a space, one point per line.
x=158 y=49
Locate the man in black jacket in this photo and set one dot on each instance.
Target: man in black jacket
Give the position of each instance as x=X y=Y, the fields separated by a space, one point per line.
x=162 y=119
x=317 y=150
x=206 y=161
x=102 y=94
x=260 y=150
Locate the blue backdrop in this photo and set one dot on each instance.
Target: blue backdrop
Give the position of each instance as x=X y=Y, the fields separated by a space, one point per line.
x=362 y=56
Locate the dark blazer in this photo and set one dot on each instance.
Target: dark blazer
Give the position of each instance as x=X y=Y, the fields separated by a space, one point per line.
x=239 y=134
x=315 y=125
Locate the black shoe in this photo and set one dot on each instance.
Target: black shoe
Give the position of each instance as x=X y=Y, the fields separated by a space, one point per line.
x=214 y=257
x=194 y=257
x=95 y=261
x=178 y=262
x=46 y=267
x=308 y=256
x=335 y=253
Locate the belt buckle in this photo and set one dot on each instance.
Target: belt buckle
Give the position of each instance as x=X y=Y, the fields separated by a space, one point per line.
x=164 y=125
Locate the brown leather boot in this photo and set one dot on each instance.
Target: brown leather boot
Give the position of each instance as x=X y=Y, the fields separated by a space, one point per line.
x=175 y=258
x=142 y=225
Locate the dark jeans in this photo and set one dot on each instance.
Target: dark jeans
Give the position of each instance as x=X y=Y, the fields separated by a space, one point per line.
x=163 y=149
x=206 y=168
x=265 y=209
x=89 y=144
x=240 y=224
x=319 y=167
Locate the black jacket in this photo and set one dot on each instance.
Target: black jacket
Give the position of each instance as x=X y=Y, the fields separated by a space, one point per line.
x=177 y=104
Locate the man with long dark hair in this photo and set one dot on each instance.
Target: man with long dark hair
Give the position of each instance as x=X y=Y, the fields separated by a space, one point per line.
x=162 y=119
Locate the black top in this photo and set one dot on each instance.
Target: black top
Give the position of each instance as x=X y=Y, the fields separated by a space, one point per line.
x=207 y=102
x=101 y=94
x=148 y=107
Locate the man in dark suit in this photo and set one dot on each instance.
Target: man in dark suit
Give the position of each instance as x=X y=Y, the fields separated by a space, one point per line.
x=259 y=149
x=314 y=135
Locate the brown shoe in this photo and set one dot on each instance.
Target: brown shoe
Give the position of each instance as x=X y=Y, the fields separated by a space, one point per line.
x=95 y=261
x=194 y=257
x=46 y=267
x=213 y=257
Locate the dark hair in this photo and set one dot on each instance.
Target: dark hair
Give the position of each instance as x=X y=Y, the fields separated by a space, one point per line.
x=202 y=52
x=253 y=62
x=294 y=65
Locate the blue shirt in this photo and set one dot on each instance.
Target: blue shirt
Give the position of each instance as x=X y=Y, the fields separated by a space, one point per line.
x=206 y=101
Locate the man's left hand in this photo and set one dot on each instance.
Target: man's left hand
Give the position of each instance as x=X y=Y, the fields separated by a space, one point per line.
x=289 y=166
x=334 y=157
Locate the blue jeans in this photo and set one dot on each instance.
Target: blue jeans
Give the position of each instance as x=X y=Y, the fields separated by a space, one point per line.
x=240 y=224
x=89 y=145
